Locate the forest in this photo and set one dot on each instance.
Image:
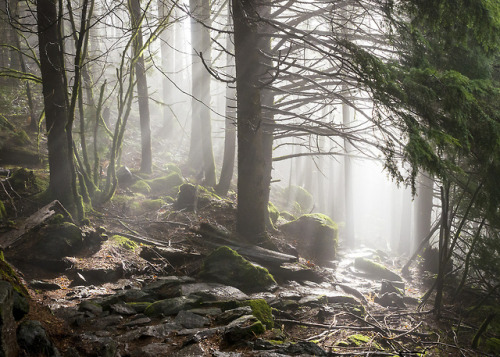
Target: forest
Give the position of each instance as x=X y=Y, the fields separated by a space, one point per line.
x=249 y=178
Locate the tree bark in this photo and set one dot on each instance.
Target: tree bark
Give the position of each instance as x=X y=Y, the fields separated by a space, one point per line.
x=201 y=151
x=55 y=101
x=252 y=185
x=227 y=169
x=142 y=89
x=423 y=208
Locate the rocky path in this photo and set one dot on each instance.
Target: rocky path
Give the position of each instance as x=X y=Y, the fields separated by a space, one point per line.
x=341 y=310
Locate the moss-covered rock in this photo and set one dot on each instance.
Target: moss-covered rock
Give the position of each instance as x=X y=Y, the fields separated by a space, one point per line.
x=190 y=194
x=226 y=266
x=165 y=184
x=124 y=242
x=375 y=270
x=261 y=310
x=171 y=167
x=59 y=240
x=29 y=180
x=170 y=306
x=316 y=236
x=141 y=186
x=359 y=340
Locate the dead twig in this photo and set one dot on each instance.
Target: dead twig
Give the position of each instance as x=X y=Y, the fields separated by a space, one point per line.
x=355 y=328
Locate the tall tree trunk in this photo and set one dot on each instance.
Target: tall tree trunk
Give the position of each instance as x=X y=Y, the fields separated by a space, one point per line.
x=349 y=233
x=227 y=169
x=142 y=89
x=252 y=185
x=167 y=65
x=423 y=208
x=56 y=105
x=267 y=102
x=201 y=151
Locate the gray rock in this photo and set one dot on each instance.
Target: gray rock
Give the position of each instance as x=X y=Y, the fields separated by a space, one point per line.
x=44 y=285
x=33 y=339
x=90 y=306
x=103 y=322
x=8 y=345
x=313 y=300
x=190 y=351
x=213 y=292
x=308 y=348
x=226 y=354
x=138 y=321
x=390 y=300
x=169 y=306
x=190 y=320
x=231 y=315
x=161 y=330
x=153 y=350
x=123 y=309
x=207 y=311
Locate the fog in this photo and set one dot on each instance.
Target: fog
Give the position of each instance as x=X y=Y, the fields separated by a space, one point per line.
x=324 y=123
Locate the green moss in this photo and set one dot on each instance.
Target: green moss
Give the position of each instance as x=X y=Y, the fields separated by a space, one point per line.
x=166 y=183
x=375 y=269
x=274 y=214
x=261 y=310
x=124 y=242
x=8 y=274
x=57 y=219
x=152 y=205
x=21 y=138
x=3 y=212
x=288 y=216
x=24 y=179
x=258 y=328
x=170 y=167
x=492 y=345
x=228 y=267
x=141 y=186
x=316 y=234
x=139 y=307
x=359 y=340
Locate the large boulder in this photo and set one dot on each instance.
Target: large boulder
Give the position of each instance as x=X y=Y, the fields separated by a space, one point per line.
x=226 y=266
x=316 y=236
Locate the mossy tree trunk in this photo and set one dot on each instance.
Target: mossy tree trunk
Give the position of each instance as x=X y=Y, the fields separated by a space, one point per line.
x=55 y=101
x=142 y=89
x=252 y=183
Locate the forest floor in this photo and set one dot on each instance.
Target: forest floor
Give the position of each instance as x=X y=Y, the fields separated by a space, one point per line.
x=316 y=313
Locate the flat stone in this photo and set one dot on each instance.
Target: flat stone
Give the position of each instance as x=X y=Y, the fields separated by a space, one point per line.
x=123 y=309
x=213 y=292
x=44 y=285
x=169 y=306
x=207 y=311
x=189 y=351
x=190 y=320
x=313 y=300
x=152 y=350
x=231 y=315
x=138 y=321
x=112 y=320
x=160 y=331
x=90 y=306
